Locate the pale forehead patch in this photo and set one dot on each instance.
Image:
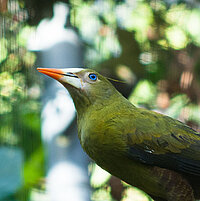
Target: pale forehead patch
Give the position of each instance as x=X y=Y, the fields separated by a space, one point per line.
x=72 y=70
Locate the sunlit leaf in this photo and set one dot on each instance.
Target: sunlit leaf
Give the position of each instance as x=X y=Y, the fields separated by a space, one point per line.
x=7 y=84
x=193 y=25
x=102 y=195
x=34 y=167
x=24 y=35
x=29 y=59
x=3 y=49
x=38 y=195
x=176 y=105
x=98 y=176
x=135 y=194
x=7 y=135
x=177 y=15
x=12 y=63
x=5 y=106
x=176 y=37
x=144 y=93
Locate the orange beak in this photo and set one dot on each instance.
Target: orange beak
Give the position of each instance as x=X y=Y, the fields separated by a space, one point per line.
x=52 y=72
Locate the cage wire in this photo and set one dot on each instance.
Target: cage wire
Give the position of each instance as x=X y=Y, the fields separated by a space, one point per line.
x=19 y=137
x=176 y=81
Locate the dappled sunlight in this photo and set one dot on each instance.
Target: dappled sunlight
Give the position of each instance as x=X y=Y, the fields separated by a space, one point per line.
x=135 y=194
x=149 y=50
x=175 y=42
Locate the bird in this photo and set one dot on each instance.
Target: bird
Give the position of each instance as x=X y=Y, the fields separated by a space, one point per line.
x=148 y=150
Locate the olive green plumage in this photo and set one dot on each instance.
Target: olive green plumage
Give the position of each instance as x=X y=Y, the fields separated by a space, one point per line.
x=146 y=149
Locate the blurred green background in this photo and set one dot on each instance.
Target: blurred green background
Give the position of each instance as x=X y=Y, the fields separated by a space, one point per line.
x=153 y=46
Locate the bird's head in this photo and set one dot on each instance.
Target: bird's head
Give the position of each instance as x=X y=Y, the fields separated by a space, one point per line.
x=86 y=86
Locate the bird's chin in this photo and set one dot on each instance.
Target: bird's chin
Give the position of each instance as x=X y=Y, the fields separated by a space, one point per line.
x=70 y=87
x=74 y=91
x=75 y=82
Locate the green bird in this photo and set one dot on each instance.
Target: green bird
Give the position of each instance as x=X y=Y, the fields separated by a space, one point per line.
x=151 y=151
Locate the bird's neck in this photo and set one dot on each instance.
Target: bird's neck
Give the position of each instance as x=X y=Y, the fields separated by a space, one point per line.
x=102 y=117
x=81 y=102
x=98 y=103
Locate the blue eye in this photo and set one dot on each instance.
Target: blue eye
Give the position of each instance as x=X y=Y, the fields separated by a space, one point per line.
x=92 y=76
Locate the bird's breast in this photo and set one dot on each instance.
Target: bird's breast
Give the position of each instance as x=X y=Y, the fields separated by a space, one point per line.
x=102 y=137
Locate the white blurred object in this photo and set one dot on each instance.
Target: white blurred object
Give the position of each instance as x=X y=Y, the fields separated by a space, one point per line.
x=59 y=47
x=58 y=113
x=50 y=32
x=57 y=177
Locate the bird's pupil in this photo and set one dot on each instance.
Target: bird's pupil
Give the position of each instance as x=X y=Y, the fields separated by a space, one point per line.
x=92 y=76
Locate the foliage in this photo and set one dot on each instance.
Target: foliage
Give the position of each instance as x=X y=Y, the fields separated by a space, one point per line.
x=162 y=37
x=151 y=45
x=19 y=106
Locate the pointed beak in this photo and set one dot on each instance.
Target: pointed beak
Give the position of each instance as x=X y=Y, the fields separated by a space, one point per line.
x=65 y=75
x=54 y=73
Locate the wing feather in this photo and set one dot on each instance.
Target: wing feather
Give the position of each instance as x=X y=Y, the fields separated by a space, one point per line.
x=162 y=141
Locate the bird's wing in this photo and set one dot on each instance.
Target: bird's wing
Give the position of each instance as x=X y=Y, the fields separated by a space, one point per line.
x=162 y=141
